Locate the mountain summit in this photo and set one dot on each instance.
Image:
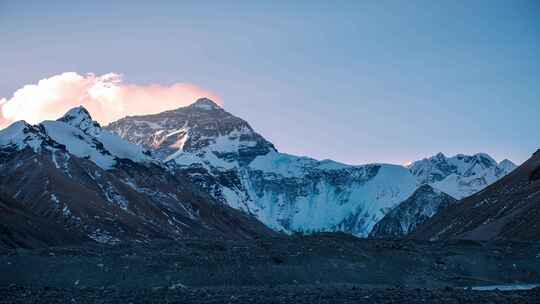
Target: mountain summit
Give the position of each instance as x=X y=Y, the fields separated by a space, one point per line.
x=203 y=129
x=80 y=118
x=205 y=104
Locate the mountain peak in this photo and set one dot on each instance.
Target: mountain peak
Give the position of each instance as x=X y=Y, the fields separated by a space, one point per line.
x=507 y=165
x=484 y=155
x=21 y=134
x=78 y=113
x=15 y=129
x=80 y=118
x=506 y=161
x=205 y=104
x=440 y=155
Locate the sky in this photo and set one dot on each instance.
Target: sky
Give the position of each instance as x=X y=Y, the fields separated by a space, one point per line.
x=353 y=81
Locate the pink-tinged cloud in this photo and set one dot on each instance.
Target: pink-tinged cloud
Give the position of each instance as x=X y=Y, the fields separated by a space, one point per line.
x=107 y=98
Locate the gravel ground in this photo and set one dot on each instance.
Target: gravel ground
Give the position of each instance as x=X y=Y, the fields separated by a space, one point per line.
x=326 y=268
x=261 y=295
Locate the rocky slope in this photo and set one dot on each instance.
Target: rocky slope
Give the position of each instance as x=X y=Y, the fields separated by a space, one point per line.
x=91 y=184
x=414 y=211
x=21 y=228
x=507 y=209
x=237 y=166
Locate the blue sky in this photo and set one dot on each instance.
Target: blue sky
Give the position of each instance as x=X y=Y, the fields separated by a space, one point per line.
x=353 y=81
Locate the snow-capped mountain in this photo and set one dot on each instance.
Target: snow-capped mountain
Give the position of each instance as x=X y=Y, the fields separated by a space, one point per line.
x=242 y=169
x=228 y=159
x=77 y=133
x=72 y=175
x=507 y=209
x=176 y=173
x=202 y=133
x=461 y=175
x=414 y=211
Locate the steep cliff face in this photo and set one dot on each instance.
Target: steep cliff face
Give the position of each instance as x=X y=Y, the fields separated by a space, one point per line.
x=424 y=203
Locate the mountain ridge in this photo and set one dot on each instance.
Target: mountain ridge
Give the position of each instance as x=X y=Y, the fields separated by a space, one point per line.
x=81 y=178
x=223 y=159
x=286 y=192
x=507 y=209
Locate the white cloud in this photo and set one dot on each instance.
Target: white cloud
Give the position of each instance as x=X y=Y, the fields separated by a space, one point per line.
x=107 y=97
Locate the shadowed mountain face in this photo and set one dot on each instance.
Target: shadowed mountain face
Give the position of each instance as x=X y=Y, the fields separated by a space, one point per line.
x=238 y=167
x=70 y=177
x=20 y=227
x=414 y=211
x=507 y=209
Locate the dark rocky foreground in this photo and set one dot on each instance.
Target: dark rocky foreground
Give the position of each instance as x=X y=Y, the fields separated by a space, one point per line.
x=260 y=295
x=328 y=268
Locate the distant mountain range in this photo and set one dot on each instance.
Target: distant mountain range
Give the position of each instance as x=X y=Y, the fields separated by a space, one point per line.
x=461 y=175
x=507 y=209
x=200 y=171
